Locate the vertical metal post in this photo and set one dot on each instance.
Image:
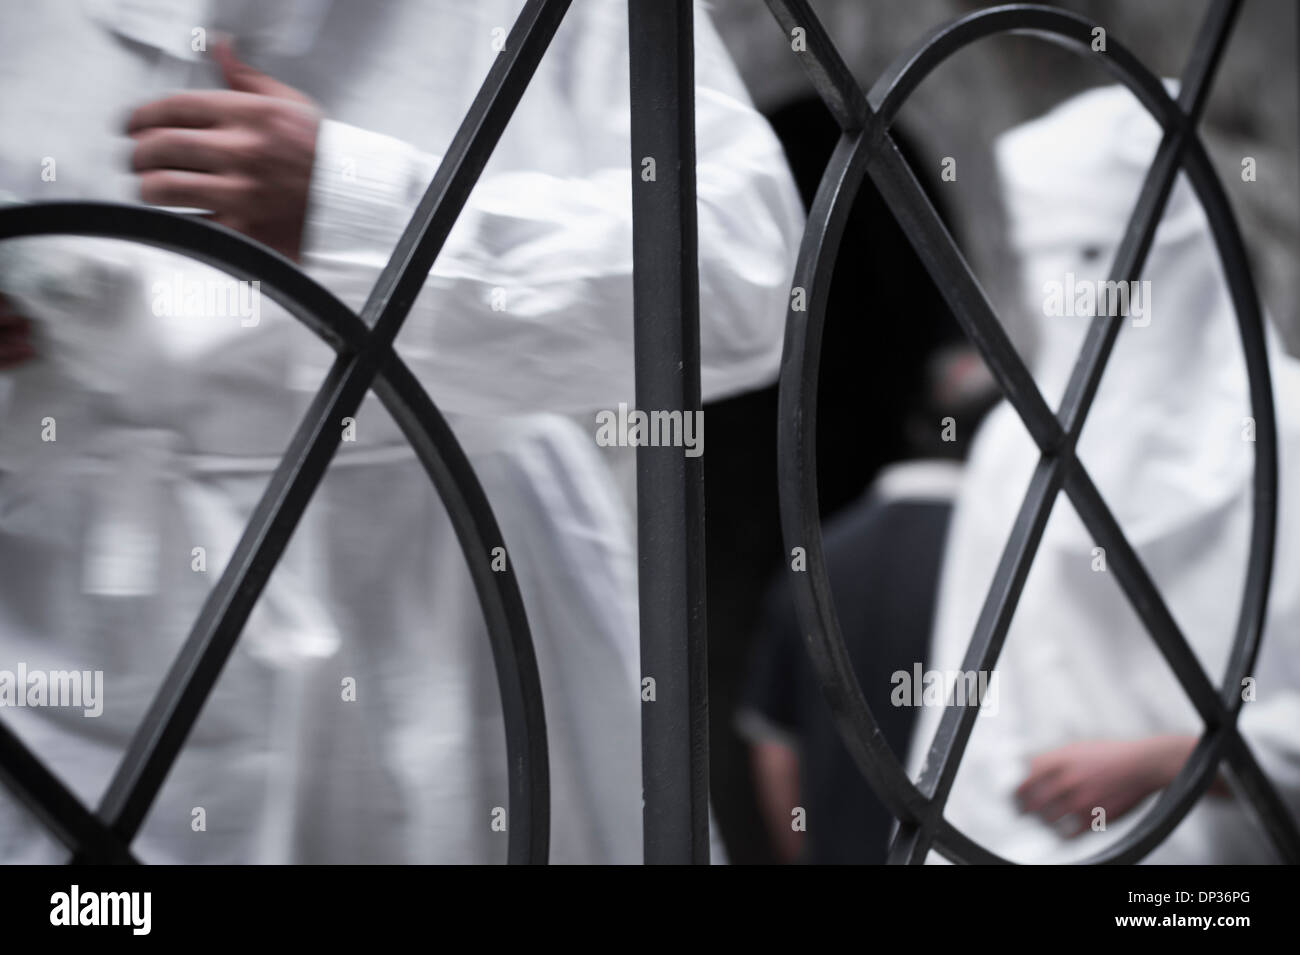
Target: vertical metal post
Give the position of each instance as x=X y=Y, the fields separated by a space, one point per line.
x=670 y=485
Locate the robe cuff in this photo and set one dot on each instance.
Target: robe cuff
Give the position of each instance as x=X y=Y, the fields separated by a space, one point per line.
x=364 y=187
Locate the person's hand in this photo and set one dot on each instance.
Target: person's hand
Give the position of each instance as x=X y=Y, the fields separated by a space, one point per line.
x=15 y=337
x=1115 y=775
x=245 y=153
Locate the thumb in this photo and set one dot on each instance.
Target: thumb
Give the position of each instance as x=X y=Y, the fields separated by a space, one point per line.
x=242 y=78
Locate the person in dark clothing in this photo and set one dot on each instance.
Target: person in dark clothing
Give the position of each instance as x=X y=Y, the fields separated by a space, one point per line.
x=884 y=320
x=883 y=555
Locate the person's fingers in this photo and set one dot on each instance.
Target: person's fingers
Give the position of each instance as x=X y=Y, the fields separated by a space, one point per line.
x=1049 y=761
x=1043 y=772
x=1066 y=801
x=1036 y=799
x=198 y=150
x=194 y=109
x=15 y=336
x=241 y=77
x=180 y=187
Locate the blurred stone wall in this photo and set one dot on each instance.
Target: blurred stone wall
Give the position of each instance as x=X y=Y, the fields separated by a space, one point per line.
x=999 y=82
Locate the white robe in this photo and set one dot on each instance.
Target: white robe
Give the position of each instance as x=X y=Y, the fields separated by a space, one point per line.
x=1164 y=443
x=168 y=427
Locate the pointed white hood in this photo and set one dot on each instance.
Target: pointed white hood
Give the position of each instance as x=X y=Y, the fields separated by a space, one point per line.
x=1166 y=446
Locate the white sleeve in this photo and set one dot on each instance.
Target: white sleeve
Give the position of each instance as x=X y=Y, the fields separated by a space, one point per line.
x=1270 y=728
x=81 y=295
x=529 y=305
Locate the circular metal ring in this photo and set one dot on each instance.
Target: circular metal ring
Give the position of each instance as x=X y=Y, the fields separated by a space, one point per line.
x=797 y=461
x=423 y=426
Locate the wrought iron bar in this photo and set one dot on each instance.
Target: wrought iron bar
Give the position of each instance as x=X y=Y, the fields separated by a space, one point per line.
x=670 y=485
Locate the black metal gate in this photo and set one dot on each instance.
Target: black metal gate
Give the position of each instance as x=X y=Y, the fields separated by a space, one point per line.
x=670 y=485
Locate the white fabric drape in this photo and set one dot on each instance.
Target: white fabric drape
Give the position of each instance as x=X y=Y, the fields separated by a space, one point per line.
x=373 y=587
x=1166 y=444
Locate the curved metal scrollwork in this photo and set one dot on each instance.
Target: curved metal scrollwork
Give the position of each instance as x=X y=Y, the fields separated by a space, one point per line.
x=865 y=147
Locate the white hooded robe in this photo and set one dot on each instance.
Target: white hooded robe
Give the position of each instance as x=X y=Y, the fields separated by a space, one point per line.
x=169 y=422
x=1167 y=444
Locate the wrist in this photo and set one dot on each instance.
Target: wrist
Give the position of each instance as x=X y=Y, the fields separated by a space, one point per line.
x=360 y=194
x=1163 y=756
